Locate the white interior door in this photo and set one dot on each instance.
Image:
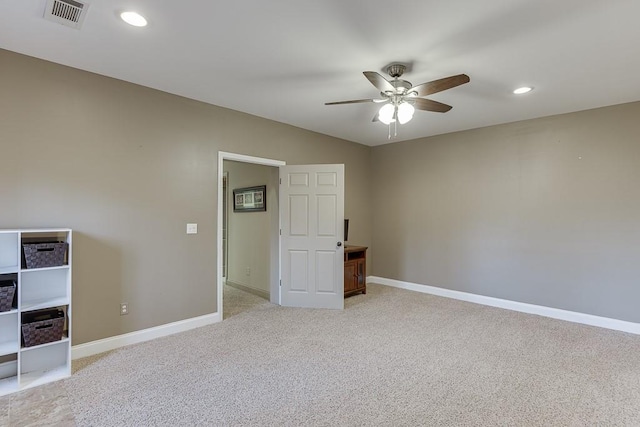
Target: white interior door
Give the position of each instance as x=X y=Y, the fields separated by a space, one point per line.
x=312 y=215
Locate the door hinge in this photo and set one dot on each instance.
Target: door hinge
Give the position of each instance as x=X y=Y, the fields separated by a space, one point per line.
x=280 y=282
x=281 y=231
x=280 y=181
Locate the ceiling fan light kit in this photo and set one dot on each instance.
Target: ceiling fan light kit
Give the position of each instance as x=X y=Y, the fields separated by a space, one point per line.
x=387 y=114
x=401 y=98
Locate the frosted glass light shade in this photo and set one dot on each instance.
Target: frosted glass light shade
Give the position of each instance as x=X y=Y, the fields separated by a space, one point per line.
x=385 y=115
x=405 y=112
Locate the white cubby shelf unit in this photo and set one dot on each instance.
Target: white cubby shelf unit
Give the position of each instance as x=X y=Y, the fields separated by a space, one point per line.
x=37 y=288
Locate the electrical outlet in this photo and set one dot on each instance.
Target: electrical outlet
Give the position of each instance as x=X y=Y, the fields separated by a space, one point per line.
x=248 y=271
x=124 y=309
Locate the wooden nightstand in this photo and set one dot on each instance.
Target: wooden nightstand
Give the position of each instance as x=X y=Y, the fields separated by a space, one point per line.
x=355 y=270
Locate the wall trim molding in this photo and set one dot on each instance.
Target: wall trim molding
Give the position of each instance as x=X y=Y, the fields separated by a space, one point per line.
x=111 y=343
x=555 y=313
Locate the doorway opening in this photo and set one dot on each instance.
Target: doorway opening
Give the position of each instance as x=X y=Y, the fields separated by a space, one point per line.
x=267 y=268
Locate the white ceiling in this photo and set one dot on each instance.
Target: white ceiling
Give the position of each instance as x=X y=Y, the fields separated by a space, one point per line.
x=283 y=59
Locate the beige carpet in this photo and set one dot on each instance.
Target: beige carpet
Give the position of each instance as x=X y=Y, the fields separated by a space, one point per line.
x=392 y=357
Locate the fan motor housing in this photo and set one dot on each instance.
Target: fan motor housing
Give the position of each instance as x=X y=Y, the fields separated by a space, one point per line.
x=401 y=85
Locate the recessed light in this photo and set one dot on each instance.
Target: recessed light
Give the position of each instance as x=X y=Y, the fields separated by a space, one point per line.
x=523 y=89
x=134 y=18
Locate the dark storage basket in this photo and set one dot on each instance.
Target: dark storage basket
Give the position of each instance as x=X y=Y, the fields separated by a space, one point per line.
x=7 y=292
x=42 y=326
x=40 y=255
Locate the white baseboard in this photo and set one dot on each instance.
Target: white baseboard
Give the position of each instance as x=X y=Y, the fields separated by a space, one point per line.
x=111 y=343
x=555 y=313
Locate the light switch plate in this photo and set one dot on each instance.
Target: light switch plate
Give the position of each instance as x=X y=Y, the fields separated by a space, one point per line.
x=192 y=228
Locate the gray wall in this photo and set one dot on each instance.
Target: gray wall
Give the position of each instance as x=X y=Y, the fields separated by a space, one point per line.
x=250 y=232
x=543 y=211
x=508 y=211
x=127 y=167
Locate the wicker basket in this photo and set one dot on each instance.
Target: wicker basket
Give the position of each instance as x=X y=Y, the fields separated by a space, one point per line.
x=40 y=255
x=7 y=292
x=43 y=331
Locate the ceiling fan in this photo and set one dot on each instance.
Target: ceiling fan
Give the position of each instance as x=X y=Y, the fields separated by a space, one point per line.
x=401 y=99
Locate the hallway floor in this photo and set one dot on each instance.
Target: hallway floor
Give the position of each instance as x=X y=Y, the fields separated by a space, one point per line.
x=236 y=301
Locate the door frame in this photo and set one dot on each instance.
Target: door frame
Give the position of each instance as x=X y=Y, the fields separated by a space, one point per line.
x=275 y=259
x=225 y=227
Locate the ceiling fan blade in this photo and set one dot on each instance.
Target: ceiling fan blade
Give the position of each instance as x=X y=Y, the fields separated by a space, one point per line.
x=379 y=82
x=430 y=105
x=436 y=86
x=354 y=101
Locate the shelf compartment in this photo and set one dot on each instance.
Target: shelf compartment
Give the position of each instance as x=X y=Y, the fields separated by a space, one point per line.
x=9 y=251
x=9 y=374
x=36 y=378
x=8 y=366
x=45 y=236
x=44 y=288
x=9 y=385
x=9 y=338
x=44 y=363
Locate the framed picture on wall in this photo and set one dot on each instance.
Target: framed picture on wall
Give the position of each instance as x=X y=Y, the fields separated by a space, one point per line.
x=250 y=199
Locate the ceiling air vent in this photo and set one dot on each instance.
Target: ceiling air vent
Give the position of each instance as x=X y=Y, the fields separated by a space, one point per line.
x=66 y=12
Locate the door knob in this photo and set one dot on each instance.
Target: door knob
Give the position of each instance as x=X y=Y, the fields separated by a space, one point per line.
x=339 y=244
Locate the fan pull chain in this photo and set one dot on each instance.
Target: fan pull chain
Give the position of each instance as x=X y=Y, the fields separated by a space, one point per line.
x=395 y=130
